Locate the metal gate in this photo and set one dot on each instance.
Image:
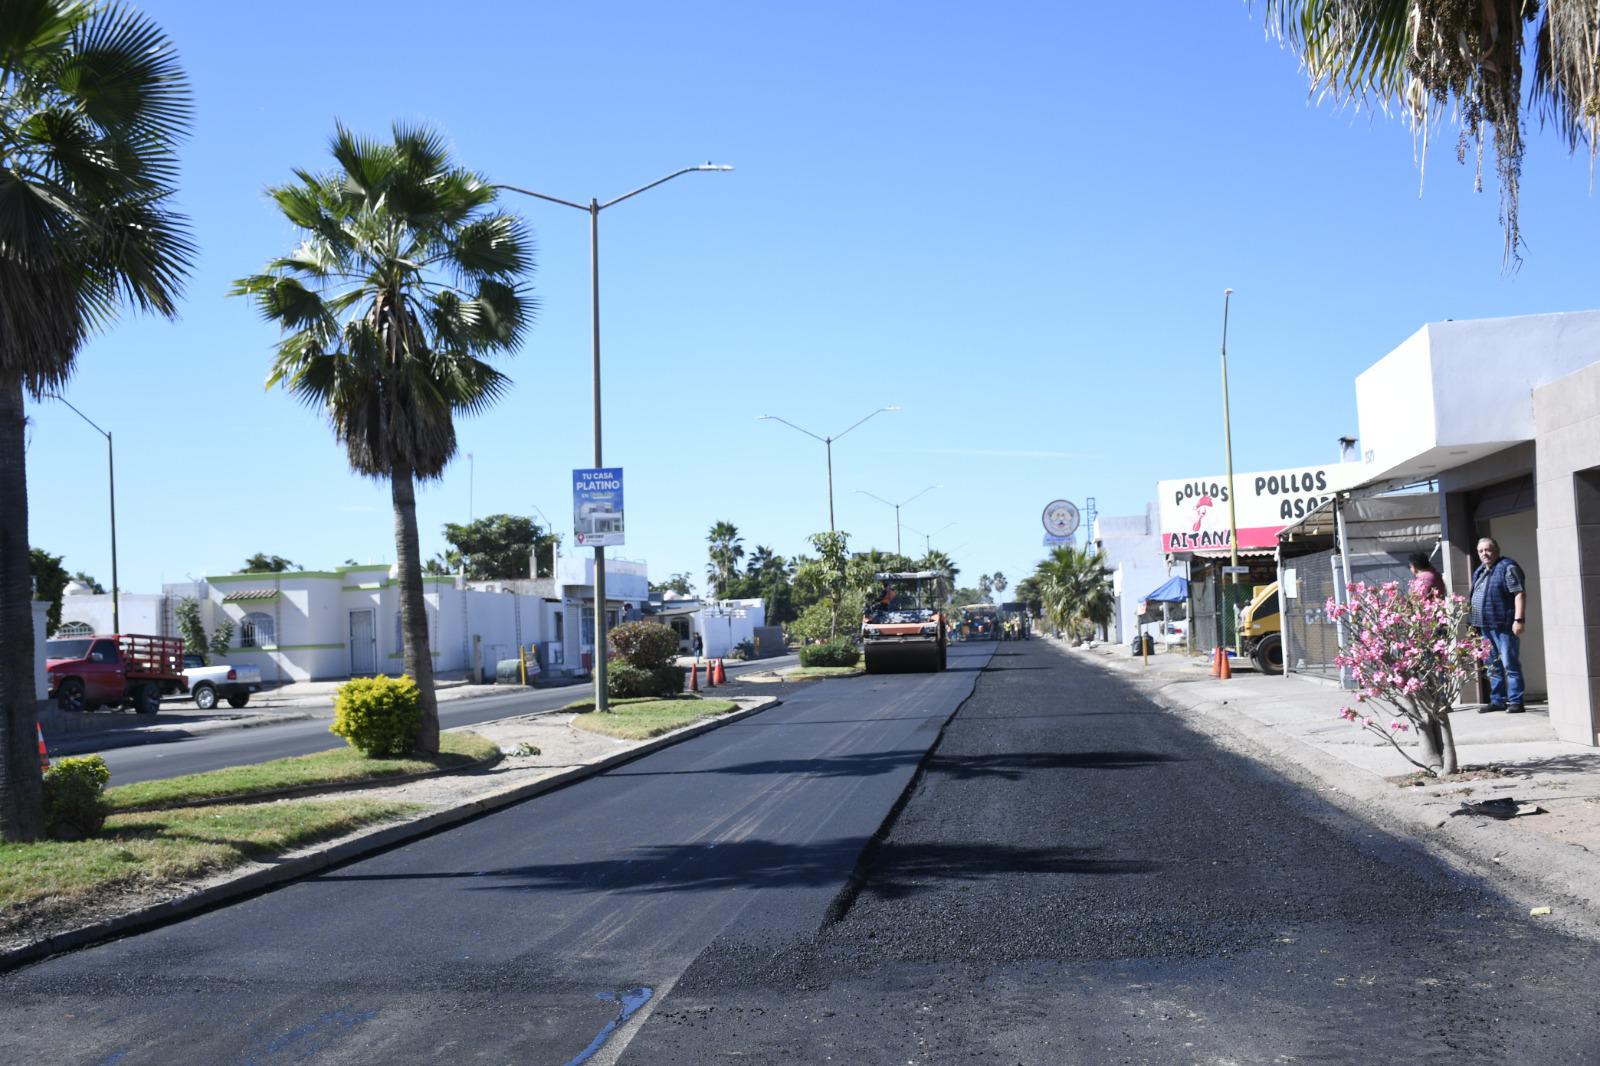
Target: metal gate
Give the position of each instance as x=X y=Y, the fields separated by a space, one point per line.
x=363 y=644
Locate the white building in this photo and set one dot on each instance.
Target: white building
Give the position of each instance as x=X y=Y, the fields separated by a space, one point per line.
x=1132 y=546
x=1504 y=415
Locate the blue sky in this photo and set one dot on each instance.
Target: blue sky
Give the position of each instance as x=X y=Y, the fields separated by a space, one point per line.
x=1017 y=226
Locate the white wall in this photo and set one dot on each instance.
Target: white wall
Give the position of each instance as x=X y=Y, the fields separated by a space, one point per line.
x=1132 y=544
x=1466 y=387
x=725 y=623
x=137 y=612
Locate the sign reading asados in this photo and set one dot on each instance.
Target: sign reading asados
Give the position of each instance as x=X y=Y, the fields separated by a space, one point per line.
x=1194 y=512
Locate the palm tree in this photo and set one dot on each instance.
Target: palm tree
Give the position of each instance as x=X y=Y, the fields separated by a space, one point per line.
x=1075 y=589
x=998 y=580
x=406 y=280
x=92 y=104
x=938 y=560
x=1465 y=60
x=726 y=551
x=985 y=587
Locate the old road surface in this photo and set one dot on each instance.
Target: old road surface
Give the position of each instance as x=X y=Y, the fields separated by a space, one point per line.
x=1073 y=877
x=544 y=933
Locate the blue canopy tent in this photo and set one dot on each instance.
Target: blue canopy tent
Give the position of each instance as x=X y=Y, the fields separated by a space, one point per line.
x=1176 y=590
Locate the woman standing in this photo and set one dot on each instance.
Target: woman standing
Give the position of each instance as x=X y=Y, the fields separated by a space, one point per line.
x=1425 y=580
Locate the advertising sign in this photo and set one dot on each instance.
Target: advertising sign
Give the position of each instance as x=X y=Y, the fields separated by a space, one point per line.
x=1194 y=511
x=1060 y=518
x=597 y=507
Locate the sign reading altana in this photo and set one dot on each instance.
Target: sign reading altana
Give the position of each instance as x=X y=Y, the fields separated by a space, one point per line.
x=1194 y=511
x=597 y=507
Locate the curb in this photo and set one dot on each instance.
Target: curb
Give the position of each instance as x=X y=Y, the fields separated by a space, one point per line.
x=293 y=868
x=1539 y=871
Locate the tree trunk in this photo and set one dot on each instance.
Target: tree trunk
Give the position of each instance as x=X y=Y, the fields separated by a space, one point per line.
x=1447 y=744
x=413 y=610
x=21 y=792
x=1428 y=740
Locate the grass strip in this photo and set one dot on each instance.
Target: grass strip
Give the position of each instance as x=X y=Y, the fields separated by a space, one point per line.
x=641 y=719
x=150 y=849
x=800 y=673
x=338 y=767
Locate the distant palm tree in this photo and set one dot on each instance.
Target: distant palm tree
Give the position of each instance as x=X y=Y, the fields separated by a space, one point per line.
x=726 y=551
x=1465 y=60
x=92 y=104
x=404 y=282
x=998 y=580
x=985 y=587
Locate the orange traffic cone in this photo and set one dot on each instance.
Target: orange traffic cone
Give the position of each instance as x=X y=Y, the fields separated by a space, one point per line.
x=722 y=675
x=1216 y=670
x=694 y=676
x=44 y=756
x=711 y=675
x=1225 y=670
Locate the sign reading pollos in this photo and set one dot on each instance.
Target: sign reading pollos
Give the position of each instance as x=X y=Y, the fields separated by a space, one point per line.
x=597 y=507
x=1195 y=512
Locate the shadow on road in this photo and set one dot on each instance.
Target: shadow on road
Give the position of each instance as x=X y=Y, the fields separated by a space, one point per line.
x=899 y=871
x=1007 y=765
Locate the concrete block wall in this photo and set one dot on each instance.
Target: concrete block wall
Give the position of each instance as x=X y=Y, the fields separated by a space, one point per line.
x=1567 y=477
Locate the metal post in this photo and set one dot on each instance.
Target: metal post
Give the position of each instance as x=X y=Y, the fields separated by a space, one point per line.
x=111 y=473
x=601 y=703
x=897 y=529
x=828 y=443
x=1227 y=436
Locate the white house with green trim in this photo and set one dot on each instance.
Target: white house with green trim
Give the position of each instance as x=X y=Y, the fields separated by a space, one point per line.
x=314 y=625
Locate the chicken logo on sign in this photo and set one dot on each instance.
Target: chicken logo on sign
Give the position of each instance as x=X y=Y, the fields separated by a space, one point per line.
x=1201 y=506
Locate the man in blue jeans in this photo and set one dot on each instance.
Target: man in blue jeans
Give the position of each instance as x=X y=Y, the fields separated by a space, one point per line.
x=1498 y=601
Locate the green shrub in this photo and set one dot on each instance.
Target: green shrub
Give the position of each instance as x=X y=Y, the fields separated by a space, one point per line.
x=378 y=716
x=624 y=680
x=832 y=653
x=670 y=680
x=647 y=645
x=74 y=807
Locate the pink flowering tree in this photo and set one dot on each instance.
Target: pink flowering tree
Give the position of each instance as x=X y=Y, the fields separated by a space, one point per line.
x=1409 y=656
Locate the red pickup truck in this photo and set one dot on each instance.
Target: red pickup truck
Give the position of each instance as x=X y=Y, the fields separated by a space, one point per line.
x=114 y=670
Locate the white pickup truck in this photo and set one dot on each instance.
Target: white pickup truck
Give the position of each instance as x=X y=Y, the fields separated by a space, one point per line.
x=209 y=683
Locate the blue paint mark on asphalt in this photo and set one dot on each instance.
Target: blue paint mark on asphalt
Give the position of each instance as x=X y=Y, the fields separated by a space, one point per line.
x=631 y=1001
x=306 y=1040
x=114 y=1058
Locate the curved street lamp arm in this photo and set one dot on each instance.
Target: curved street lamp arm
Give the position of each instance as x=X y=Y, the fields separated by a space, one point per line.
x=658 y=181
x=924 y=492
x=791 y=425
x=540 y=196
x=879 y=411
x=880 y=499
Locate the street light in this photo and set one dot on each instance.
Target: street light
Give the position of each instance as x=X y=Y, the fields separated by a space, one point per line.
x=1227 y=437
x=828 y=443
x=593 y=208
x=111 y=476
x=896 y=507
x=927 y=538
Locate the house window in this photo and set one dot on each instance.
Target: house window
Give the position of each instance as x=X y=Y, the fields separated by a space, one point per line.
x=588 y=626
x=256 y=631
x=399 y=636
x=74 y=629
x=561 y=627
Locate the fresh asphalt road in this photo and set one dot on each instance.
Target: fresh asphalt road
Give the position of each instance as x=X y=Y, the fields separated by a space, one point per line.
x=148 y=755
x=519 y=937
x=1079 y=878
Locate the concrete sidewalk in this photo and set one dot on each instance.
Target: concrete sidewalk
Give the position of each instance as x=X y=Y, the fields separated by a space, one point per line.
x=1292 y=724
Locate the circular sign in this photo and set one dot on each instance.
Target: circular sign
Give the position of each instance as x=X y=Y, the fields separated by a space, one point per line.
x=1061 y=518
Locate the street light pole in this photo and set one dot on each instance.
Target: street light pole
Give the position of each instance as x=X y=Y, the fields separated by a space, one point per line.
x=927 y=538
x=827 y=443
x=897 y=507
x=594 y=207
x=111 y=477
x=1227 y=436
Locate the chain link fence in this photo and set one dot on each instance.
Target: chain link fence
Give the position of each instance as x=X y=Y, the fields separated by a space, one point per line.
x=1311 y=638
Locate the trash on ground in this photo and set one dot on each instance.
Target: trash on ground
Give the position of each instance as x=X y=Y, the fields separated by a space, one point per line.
x=1539 y=912
x=1503 y=808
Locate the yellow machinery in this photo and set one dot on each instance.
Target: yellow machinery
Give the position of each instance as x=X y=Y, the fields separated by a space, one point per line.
x=1261 y=629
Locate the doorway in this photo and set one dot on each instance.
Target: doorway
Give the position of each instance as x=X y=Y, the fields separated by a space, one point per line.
x=363 y=643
